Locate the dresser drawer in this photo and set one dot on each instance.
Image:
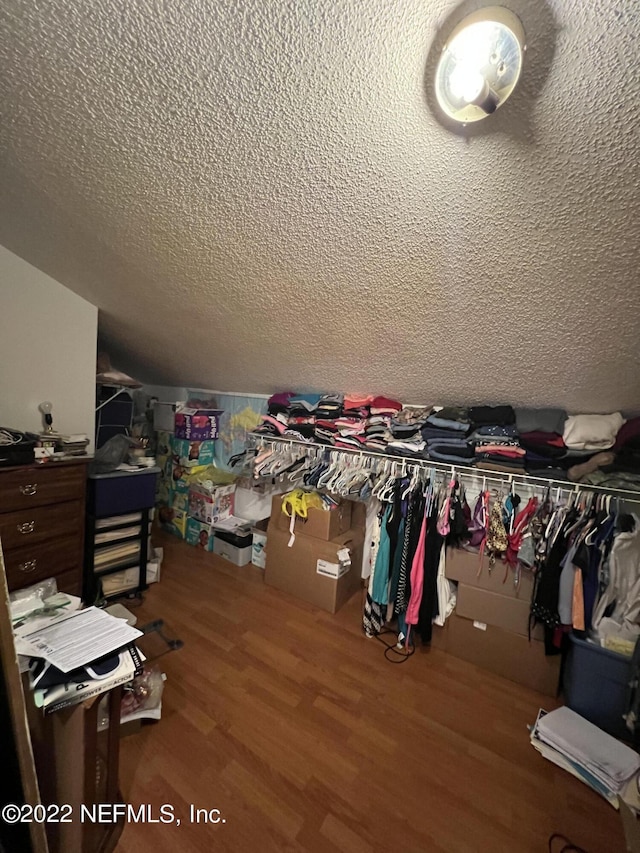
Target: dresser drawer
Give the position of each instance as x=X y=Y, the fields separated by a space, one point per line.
x=38 y=486
x=33 y=563
x=30 y=526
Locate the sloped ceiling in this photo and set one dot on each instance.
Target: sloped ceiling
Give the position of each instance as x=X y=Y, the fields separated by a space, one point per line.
x=259 y=195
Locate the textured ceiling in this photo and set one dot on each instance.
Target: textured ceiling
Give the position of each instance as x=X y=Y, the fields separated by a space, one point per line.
x=260 y=195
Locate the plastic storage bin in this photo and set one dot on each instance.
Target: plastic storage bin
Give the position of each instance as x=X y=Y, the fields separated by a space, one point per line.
x=595 y=684
x=120 y=492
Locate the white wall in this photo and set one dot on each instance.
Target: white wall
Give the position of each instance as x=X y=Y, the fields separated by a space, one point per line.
x=48 y=341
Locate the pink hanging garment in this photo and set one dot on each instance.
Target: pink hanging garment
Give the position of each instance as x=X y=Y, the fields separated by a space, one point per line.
x=417 y=577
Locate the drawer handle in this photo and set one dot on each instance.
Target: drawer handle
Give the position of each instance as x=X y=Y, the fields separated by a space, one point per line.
x=28 y=566
x=29 y=489
x=27 y=527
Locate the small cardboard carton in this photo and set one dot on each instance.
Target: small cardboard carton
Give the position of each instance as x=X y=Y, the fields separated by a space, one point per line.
x=314 y=569
x=200 y=535
x=466 y=567
x=501 y=652
x=211 y=505
x=320 y=523
x=258 y=547
x=191 y=454
x=173 y=521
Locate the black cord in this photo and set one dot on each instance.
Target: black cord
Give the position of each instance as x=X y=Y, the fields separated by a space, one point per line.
x=567 y=845
x=392 y=652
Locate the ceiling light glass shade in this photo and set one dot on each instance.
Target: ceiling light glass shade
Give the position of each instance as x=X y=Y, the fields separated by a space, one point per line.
x=480 y=64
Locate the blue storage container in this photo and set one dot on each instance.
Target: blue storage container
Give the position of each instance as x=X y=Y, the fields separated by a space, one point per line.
x=595 y=685
x=121 y=492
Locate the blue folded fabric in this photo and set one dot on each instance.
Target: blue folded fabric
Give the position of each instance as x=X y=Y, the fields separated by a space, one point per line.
x=447 y=442
x=445 y=423
x=429 y=432
x=455 y=455
x=510 y=431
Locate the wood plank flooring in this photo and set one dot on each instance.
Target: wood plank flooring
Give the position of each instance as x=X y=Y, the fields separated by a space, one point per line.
x=292 y=724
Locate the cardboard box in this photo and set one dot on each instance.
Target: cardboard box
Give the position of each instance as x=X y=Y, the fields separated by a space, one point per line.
x=461 y=565
x=197 y=424
x=509 y=655
x=191 y=454
x=173 y=521
x=321 y=524
x=501 y=611
x=180 y=476
x=199 y=534
x=295 y=570
x=258 y=552
x=211 y=505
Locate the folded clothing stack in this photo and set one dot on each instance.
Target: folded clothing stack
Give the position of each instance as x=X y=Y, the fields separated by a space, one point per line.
x=445 y=433
x=541 y=442
x=406 y=438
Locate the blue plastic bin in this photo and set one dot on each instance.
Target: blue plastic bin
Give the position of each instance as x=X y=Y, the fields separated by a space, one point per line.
x=595 y=685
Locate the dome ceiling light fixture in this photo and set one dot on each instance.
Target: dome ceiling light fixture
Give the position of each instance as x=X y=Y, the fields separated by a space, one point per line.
x=480 y=64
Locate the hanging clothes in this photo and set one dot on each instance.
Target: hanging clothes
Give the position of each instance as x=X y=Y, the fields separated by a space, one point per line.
x=546 y=591
x=429 y=602
x=380 y=586
x=373 y=616
x=398 y=548
x=446 y=590
x=415 y=512
x=371 y=536
x=618 y=611
x=521 y=524
x=496 y=539
x=417 y=575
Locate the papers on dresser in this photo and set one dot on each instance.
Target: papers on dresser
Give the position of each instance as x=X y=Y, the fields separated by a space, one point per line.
x=83 y=637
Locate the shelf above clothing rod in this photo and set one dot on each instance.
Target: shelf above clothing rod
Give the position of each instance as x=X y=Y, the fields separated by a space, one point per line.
x=464 y=470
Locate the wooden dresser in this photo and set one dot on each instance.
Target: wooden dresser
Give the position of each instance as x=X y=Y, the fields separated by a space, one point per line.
x=42 y=520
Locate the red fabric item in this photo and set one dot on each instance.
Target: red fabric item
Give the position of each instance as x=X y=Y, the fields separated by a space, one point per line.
x=386 y=403
x=552 y=439
x=626 y=432
x=356 y=401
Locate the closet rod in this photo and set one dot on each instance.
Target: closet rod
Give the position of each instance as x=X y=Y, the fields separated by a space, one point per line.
x=445 y=467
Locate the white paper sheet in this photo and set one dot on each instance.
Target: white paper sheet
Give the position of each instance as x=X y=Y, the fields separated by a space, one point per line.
x=82 y=638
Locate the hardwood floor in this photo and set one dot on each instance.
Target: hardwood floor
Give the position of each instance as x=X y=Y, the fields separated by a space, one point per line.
x=292 y=724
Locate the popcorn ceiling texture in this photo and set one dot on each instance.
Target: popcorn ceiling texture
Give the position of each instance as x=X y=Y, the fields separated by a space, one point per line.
x=259 y=196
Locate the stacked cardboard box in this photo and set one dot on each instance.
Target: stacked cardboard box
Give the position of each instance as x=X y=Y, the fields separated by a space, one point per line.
x=181 y=455
x=490 y=625
x=323 y=563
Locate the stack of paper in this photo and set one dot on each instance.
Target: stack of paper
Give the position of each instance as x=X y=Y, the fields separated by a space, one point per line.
x=82 y=655
x=593 y=756
x=116 y=555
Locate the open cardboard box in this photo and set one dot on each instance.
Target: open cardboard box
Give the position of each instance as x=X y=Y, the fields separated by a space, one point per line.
x=321 y=524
